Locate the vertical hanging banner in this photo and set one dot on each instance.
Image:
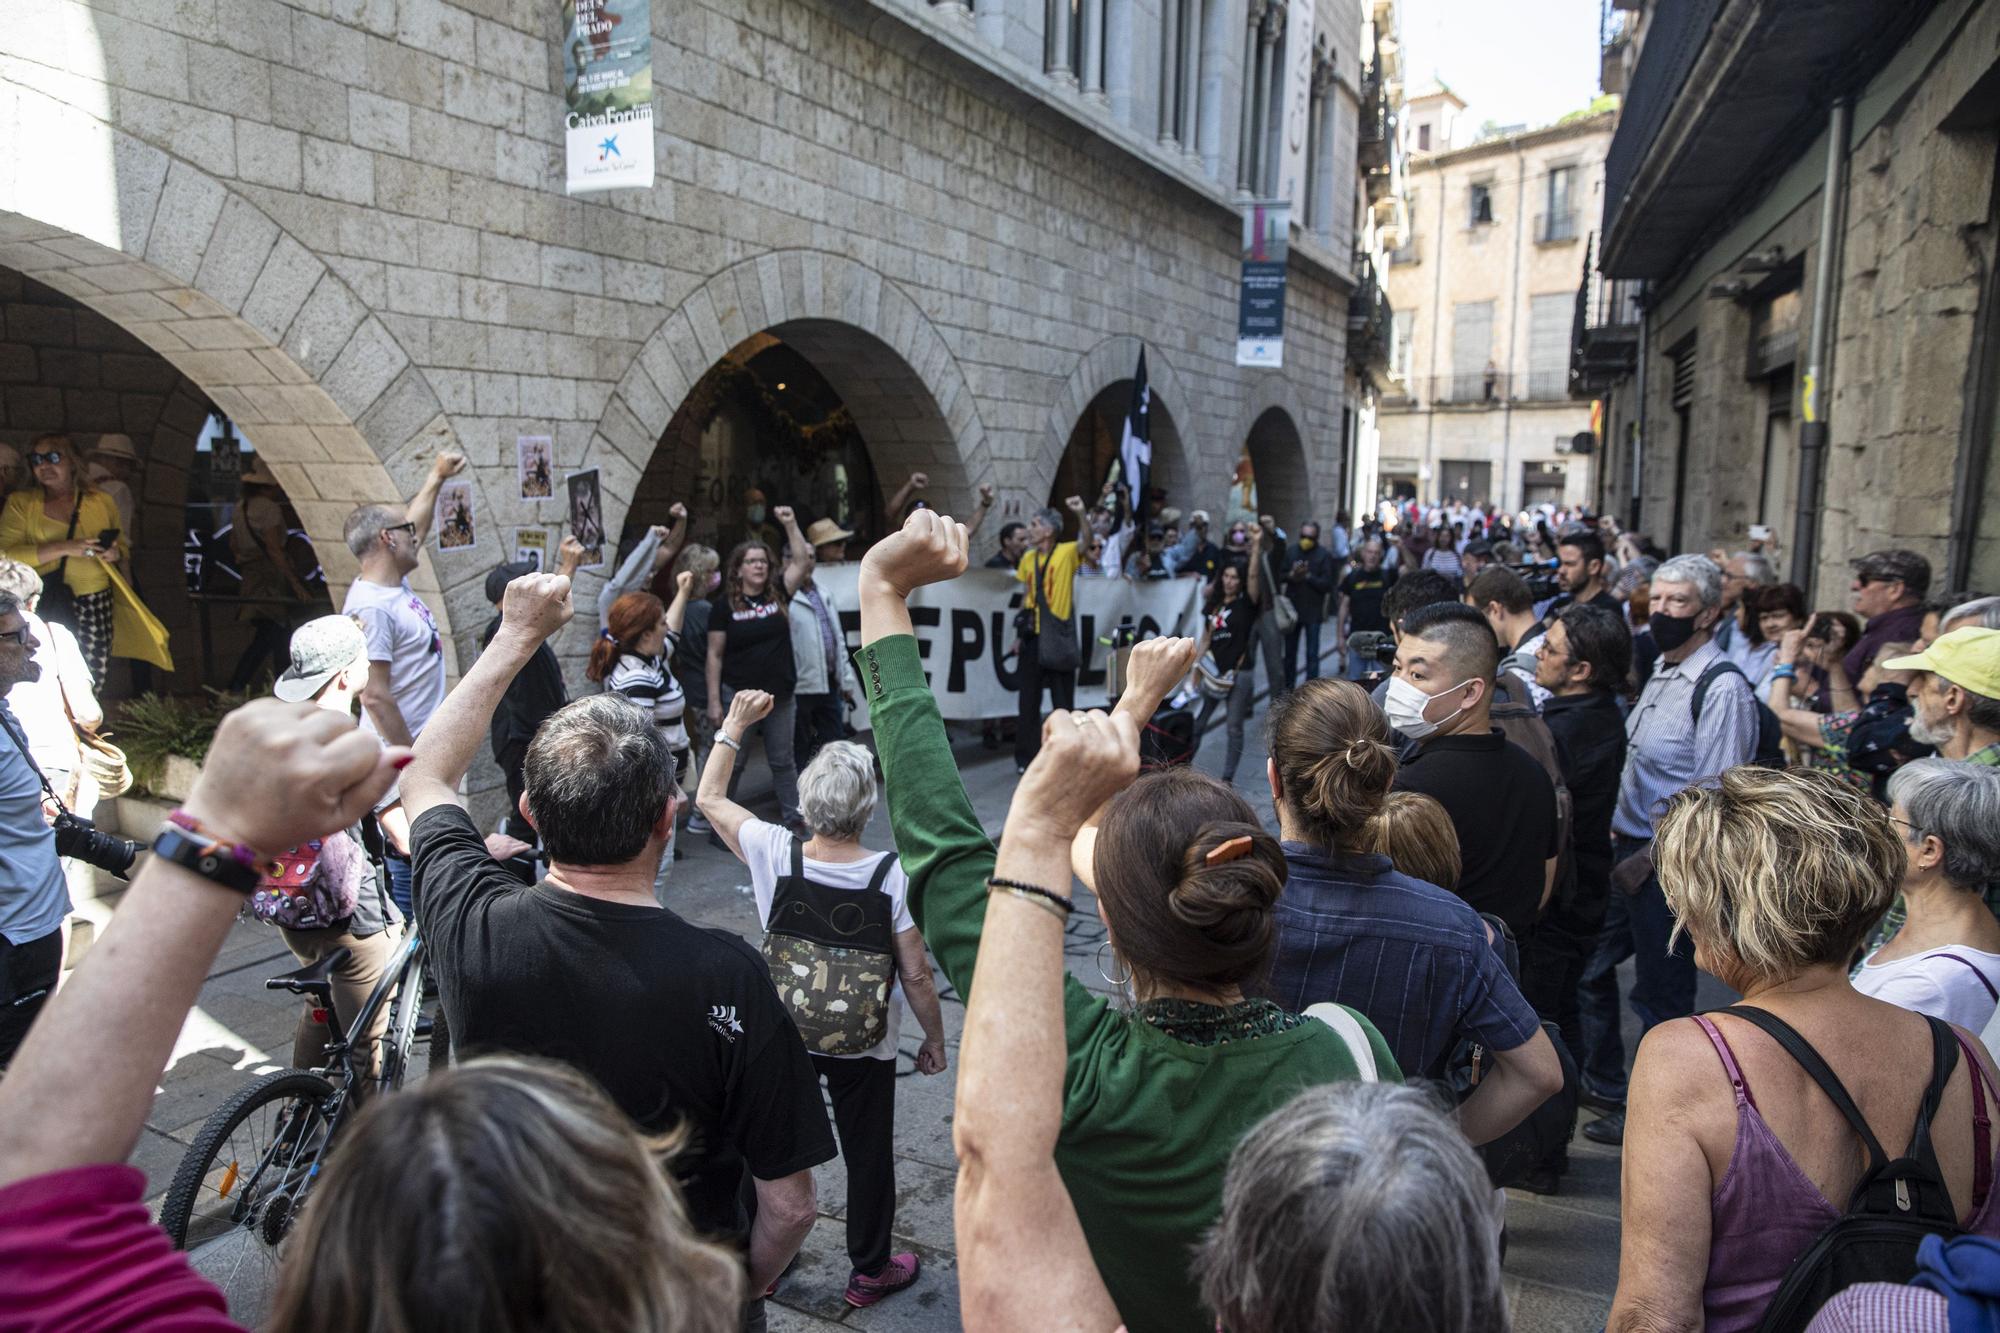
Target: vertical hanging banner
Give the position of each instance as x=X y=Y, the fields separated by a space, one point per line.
x=1292 y=167
x=608 y=94
x=1260 y=314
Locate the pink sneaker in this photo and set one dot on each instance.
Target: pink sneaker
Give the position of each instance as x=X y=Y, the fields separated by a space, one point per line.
x=898 y=1273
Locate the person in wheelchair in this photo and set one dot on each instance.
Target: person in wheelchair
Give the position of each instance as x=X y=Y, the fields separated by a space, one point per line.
x=329 y=893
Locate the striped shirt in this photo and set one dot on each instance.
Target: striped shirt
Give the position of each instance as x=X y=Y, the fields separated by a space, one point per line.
x=647 y=682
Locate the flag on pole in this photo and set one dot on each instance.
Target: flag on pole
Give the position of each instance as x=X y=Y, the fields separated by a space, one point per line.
x=1135 y=449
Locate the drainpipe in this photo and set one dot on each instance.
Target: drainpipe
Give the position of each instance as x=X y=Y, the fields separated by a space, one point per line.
x=1639 y=413
x=1813 y=398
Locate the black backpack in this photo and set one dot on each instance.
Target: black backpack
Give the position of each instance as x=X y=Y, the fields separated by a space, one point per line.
x=1770 y=736
x=831 y=954
x=1895 y=1206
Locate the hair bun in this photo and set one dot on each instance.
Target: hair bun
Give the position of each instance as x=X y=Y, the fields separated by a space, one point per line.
x=1229 y=901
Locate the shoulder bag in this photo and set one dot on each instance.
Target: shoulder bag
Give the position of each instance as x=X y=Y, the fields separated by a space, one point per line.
x=1283 y=613
x=1343 y=1023
x=1058 y=648
x=58 y=602
x=104 y=761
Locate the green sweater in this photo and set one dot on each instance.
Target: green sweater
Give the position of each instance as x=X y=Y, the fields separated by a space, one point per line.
x=1148 y=1121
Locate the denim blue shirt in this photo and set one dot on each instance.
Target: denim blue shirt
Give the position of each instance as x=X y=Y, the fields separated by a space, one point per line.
x=1409 y=956
x=1666 y=751
x=34 y=897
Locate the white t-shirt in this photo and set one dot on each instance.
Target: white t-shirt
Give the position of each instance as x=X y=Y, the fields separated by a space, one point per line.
x=1956 y=984
x=767 y=851
x=401 y=632
x=38 y=704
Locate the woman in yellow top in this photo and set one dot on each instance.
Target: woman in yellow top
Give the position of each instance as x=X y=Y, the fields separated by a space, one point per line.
x=68 y=530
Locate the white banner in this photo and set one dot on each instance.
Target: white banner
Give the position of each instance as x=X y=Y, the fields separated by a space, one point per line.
x=608 y=94
x=965 y=632
x=1293 y=169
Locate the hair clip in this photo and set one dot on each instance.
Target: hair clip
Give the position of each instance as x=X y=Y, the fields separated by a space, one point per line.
x=607 y=636
x=1234 y=850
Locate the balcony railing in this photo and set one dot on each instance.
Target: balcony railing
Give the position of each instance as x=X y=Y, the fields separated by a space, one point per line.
x=1604 y=343
x=1371 y=324
x=1377 y=129
x=1555 y=228
x=1675 y=35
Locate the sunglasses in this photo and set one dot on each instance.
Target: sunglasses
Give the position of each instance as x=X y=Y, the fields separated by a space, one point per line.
x=19 y=636
x=410 y=528
x=52 y=457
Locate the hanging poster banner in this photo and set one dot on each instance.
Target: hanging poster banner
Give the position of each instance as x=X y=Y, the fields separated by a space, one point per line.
x=1260 y=314
x=1292 y=167
x=965 y=632
x=608 y=94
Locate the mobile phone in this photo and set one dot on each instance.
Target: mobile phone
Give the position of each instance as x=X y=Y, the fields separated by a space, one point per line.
x=1821 y=631
x=1760 y=532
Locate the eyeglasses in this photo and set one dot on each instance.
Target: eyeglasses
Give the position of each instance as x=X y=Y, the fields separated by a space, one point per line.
x=19 y=636
x=410 y=528
x=1865 y=579
x=52 y=457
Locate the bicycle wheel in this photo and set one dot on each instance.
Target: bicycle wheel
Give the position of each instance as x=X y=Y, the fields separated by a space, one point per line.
x=244 y=1180
x=440 y=1056
x=404 y=1010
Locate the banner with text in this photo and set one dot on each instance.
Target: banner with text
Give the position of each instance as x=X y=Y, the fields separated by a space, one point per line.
x=965 y=631
x=1260 y=315
x=608 y=94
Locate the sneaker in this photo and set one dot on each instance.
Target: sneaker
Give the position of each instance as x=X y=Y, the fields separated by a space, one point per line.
x=696 y=824
x=1608 y=1130
x=898 y=1273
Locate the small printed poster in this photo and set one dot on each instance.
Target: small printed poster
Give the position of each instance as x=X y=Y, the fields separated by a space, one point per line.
x=532 y=545
x=1260 y=316
x=586 y=516
x=452 y=519
x=535 y=457
x=608 y=94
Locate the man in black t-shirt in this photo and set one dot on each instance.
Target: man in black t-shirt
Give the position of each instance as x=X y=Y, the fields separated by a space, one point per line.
x=1580 y=557
x=679 y=1024
x=1361 y=593
x=1499 y=798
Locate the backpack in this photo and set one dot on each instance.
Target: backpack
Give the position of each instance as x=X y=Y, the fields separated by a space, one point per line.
x=831 y=954
x=317 y=885
x=1770 y=736
x=1514 y=712
x=1897 y=1202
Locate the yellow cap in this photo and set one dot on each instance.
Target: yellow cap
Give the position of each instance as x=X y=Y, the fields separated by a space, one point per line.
x=1969 y=658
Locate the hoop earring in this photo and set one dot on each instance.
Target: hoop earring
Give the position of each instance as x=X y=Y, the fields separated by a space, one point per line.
x=1105 y=972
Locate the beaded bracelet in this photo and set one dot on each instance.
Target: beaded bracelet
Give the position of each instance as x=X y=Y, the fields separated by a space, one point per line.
x=1784 y=671
x=1046 y=899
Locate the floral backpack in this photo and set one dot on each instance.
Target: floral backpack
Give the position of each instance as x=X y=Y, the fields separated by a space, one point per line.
x=316 y=884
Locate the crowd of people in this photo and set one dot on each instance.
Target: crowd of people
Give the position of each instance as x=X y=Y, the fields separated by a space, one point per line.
x=1321 y=1048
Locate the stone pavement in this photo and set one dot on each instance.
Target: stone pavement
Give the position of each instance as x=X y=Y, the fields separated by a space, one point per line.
x=1562 y=1253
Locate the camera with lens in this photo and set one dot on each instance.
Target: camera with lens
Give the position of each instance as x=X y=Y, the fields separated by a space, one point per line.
x=1374 y=646
x=78 y=837
x=1543 y=582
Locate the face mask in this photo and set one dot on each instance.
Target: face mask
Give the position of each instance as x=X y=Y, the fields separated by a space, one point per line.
x=1670 y=632
x=714 y=579
x=1307 y=543
x=756 y=513
x=1404 y=707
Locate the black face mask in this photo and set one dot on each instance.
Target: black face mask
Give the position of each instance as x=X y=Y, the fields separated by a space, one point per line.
x=1670 y=632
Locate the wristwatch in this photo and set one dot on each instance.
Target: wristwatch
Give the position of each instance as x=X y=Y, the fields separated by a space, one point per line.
x=233 y=867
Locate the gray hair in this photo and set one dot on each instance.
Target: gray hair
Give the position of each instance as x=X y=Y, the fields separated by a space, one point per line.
x=1051 y=519
x=1355 y=1205
x=23 y=581
x=9 y=603
x=1959 y=805
x=597 y=775
x=1694 y=571
x=1756 y=568
x=1981 y=611
x=837 y=790
x=365 y=526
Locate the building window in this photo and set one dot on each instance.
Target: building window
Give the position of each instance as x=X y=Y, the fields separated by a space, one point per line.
x=1558 y=220
x=1481 y=212
x=1424 y=138
x=1551 y=320
x=1399 y=351
x=1474 y=376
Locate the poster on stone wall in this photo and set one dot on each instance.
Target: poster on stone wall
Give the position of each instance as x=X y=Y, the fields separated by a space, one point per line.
x=608 y=94
x=1260 y=314
x=534 y=457
x=532 y=546
x=586 y=516
x=452 y=519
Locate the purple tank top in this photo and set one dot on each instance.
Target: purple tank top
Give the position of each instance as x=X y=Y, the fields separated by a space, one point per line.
x=1766 y=1211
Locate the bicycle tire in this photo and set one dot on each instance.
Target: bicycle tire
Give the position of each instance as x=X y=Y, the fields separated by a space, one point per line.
x=190 y=1177
x=440 y=1053
x=404 y=1010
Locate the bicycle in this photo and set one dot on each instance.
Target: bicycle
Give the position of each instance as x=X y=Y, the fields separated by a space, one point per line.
x=249 y=1173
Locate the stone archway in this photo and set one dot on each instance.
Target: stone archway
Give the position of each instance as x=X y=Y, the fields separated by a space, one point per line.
x=1175 y=450
x=1271 y=428
x=265 y=329
x=870 y=341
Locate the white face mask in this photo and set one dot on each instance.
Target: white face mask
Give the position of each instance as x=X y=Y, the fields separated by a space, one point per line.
x=1404 y=707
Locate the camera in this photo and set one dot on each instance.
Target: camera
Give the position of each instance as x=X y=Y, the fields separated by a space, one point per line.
x=1376 y=649
x=1543 y=582
x=78 y=837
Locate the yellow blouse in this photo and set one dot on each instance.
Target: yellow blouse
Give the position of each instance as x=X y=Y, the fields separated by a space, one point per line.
x=25 y=529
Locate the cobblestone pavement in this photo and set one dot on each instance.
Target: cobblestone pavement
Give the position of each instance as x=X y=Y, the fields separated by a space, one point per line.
x=1562 y=1251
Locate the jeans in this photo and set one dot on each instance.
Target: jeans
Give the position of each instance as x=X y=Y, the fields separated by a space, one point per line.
x=28 y=975
x=1636 y=926
x=1061 y=686
x=1268 y=643
x=864 y=1114
x=399 y=884
x=779 y=732
x=1233 y=720
x=1308 y=632
x=818 y=723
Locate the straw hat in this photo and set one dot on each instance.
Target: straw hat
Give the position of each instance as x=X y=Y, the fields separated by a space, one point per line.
x=115 y=446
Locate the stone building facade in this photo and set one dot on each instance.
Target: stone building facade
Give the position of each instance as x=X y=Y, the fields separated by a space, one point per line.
x=1484 y=288
x=1710 y=260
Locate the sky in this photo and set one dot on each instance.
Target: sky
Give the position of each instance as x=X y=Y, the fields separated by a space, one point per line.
x=1514 y=61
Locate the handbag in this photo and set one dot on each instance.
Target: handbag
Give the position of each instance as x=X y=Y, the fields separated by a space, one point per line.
x=104 y=761
x=1211 y=680
x=1283 y=613
x=1058 y=648
x=58 y=602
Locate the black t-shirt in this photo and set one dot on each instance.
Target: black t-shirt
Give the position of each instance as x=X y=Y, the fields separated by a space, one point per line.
x=534 y=693
x=1229 y=632
x=674 y=1021
x=998 y=561
x=1604 y=599
x=1504 y=808
x=757 y=652
x=690 y=658
x=1364 y=590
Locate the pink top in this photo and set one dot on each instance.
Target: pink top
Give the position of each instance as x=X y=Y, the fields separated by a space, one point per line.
x=1766 y=1211
x=78 y=1252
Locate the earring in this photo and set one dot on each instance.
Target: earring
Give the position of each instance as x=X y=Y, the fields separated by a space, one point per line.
x=1105 y=972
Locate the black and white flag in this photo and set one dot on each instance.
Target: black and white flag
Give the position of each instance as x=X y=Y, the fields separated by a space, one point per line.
x=1135 y=448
